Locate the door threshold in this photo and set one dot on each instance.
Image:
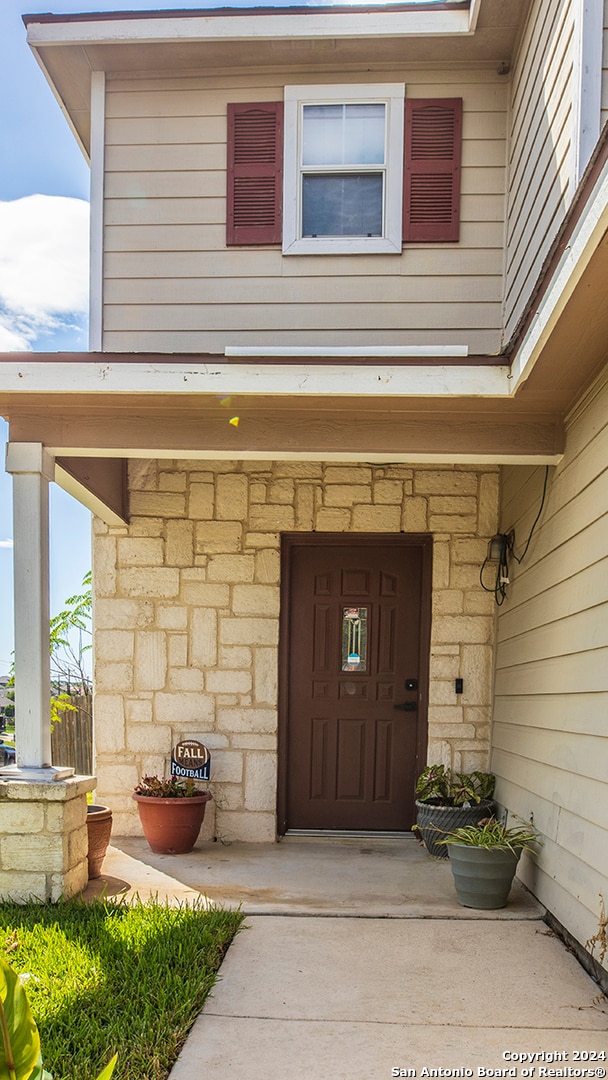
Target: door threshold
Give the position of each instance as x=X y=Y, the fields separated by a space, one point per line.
x=347 y=834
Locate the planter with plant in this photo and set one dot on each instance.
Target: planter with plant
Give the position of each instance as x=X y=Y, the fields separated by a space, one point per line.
x=171 y=812
x=446 y=801
x=484 y=859
x=99 y=827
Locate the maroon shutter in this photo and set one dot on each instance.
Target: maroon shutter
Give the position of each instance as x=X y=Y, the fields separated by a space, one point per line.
x=255 y=173
x=431 y=180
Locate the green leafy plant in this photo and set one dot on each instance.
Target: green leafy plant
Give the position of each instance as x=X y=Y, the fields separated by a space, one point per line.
x=171 y=787
x=70 y=635
x=491 y=833
x=68 y=658
x=20 y=1057
x=439 y=786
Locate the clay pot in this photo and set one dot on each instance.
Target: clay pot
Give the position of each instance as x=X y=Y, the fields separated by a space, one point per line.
x=99 y=827
x=171 y=826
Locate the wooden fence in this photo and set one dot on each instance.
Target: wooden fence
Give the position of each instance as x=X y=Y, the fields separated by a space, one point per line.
x=72 y=738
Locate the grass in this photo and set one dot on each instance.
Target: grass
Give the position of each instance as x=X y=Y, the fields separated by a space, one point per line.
x=110 y=977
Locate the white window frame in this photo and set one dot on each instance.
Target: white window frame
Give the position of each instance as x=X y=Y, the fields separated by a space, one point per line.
x=392 y=96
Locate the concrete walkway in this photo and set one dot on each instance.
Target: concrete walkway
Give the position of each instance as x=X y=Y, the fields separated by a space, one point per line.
x=356 y=961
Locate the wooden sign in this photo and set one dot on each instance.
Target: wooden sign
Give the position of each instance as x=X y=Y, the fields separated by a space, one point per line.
x=191 y=760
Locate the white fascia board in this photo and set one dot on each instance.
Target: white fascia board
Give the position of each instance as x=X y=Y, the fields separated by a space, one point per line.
x=359 y=456
x=586 y=237
x=283 y=25
x=61 y=103
x=327 y=380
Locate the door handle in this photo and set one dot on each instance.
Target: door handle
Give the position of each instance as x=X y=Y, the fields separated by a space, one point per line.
x=406 y=706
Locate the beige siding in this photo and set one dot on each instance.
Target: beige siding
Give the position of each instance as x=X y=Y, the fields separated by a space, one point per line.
x=541 y=140
x=171 y=283
x=550 y=749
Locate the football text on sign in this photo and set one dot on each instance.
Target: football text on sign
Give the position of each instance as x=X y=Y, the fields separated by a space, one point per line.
x=190 y=759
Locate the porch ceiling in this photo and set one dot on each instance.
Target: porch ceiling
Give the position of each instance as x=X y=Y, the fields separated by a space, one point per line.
x=526 y=427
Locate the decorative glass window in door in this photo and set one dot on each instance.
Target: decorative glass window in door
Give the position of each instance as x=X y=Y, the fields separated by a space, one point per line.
x=354 y=639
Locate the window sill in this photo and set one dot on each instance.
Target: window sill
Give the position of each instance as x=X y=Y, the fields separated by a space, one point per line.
x=357 y=245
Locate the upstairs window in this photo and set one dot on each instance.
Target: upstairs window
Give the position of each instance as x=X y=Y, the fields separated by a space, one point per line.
x=343 y=169
x=349 y=175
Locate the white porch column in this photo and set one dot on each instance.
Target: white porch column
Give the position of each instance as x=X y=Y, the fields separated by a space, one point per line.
x=32 y=468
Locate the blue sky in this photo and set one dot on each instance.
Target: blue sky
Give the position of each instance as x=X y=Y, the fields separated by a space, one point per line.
x=44 y=186
x=39 y=157
x=44 y=191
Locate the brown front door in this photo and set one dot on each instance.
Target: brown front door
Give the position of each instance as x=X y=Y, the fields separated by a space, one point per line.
x=355 y=675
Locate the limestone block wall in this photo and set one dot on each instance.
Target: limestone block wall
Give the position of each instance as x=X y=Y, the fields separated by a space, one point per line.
x=187 y=604
x=43 y=838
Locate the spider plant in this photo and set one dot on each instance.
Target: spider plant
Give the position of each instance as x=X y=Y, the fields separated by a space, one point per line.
x=493 y=834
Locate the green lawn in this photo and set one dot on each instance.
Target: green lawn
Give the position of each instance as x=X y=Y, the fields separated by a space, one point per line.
x=110 y=977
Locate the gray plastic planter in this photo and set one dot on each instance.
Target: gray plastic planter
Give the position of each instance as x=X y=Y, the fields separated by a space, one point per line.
x=435 y=822
x=482 y=876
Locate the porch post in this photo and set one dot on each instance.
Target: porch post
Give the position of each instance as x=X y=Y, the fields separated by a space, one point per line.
x=32 y=468
x=43 y=810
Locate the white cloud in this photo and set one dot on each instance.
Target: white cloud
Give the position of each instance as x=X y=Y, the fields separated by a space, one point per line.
x=44 y=267
x=6 y=543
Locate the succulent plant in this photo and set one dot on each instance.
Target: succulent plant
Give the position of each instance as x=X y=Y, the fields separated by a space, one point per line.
x=168 y=787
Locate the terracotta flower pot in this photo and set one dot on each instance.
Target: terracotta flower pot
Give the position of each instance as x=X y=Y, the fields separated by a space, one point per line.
x=171 y=826
x=99 y=827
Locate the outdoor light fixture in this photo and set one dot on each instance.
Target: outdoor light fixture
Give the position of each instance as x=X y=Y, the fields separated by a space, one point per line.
x=498 y=547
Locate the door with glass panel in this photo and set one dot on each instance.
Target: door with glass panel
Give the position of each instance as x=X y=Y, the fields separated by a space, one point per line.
x=354 y=681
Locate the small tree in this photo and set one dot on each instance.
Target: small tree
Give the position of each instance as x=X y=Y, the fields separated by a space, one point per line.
x=70 y=634
x=70 y=640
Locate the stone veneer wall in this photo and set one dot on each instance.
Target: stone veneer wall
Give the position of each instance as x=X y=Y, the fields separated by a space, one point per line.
x=186 y=616
x=43 y=838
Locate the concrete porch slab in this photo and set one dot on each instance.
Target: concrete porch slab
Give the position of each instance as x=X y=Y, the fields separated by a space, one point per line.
x=301 y=876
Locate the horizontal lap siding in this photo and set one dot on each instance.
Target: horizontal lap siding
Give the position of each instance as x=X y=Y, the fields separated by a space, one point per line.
x=171 y=283
x=550 y=750
x=540 y=157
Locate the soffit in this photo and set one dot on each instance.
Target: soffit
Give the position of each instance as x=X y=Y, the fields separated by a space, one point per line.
x=577 y=347
x=69 y=51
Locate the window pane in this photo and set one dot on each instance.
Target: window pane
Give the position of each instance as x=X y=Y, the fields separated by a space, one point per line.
x=354 y=639
x=343 y=135
x=342 y=205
